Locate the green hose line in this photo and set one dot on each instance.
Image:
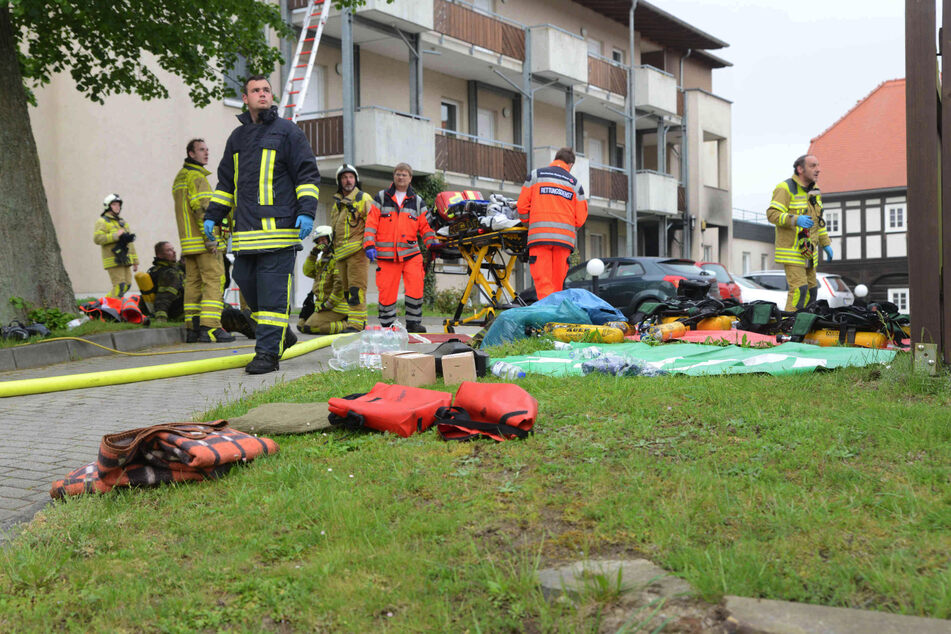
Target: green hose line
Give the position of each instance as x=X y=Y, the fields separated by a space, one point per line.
x=147 y=373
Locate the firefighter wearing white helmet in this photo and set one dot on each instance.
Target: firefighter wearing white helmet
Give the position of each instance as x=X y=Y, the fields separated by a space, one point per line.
x=322 y=314
x=115 y=236
x=348 y=218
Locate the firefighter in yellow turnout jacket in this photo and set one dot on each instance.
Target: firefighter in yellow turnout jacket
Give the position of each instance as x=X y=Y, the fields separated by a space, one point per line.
x=204 y=268
x=329 y=315
x=115 y=237
x=796 y=210
x=348 y=219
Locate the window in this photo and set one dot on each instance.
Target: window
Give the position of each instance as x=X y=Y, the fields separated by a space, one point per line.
x=629 y=269
x=895 y=217
x=483 y=5
x=899 y=297
x=594 y=47
x=449 y=115
x=596 y=151
x=234 y=82
x=707 y=253
x=773 y=282
x=833 y=218
x=486 y=122
x=747 y=259
x=315 y=99
x=764 y=261
x=595 y=245
x=617 y=55
x=580 y=274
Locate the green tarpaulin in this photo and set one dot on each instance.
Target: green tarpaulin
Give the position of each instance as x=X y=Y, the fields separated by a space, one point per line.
x=697 y=359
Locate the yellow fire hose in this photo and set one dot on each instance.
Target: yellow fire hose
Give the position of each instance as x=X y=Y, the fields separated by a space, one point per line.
x=147 y=373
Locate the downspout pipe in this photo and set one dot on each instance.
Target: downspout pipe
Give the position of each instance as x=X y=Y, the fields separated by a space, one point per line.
x=631 y=142
x=685 y=165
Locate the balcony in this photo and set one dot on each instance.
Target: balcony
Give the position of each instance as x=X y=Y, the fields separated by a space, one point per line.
x=716 y=205
x=655 y=91
x=558 y=54
x=607 y=75
x=656 y=193
x=480 y=158
x=461 y=22
x=409 y=17
x=325 y=133
x=608 y=182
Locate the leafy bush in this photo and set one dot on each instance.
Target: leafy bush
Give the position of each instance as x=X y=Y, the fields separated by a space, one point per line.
x=52 y=318
x=446 y=300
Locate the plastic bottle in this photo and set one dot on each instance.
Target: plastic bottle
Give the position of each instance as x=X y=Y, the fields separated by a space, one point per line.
x=508 y=371
x=589 y=352
x=79 y=321
x=563 y=345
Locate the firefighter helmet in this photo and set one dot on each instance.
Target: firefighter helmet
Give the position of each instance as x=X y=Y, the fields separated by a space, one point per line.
x=111 y=198
x=343 y=169
x=323 y=231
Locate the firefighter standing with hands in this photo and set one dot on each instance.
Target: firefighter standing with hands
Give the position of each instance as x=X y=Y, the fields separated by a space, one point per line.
x=552 y=205
x=391 y=240
x=115 y=237
x=348 y=218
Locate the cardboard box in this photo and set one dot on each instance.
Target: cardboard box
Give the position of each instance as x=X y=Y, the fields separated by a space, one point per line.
x=388 y=365
x=415 y=369
x=458 y=367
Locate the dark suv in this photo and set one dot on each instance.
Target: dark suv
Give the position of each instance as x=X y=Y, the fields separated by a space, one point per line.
x=627 y=282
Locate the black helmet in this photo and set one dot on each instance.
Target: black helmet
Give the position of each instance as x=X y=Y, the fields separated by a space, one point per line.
x=343 y=169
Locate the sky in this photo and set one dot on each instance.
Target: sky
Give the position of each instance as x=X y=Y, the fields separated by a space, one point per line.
x=797 y=68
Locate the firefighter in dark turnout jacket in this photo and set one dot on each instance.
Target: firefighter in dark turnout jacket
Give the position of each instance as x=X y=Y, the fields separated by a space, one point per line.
x=168 y=278
x=269 y=176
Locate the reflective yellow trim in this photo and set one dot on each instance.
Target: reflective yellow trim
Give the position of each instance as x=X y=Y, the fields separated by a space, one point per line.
x=266 y=177
x=307 y=189
x=775 y=204
x=223 y=198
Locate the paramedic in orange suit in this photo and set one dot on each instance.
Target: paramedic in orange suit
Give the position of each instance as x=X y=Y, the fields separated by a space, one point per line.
x=552 y=205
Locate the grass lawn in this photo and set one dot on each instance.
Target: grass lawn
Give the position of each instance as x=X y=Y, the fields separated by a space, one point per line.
x=830 y=488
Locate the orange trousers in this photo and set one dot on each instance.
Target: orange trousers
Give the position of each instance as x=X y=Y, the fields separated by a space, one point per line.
x=549 y=265
x=388 y=274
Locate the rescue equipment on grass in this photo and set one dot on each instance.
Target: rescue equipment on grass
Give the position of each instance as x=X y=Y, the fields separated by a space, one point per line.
x=146 y=285
x=170 y=452
x=128 y=309
x=584 y=332
x=849 y=325
x=829 y=337
x=501 y=411
x=398 y=409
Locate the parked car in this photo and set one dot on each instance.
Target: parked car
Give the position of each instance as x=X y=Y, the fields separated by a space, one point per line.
x=728 y=287
x=832 y=288
x=750 y=291
x=628 y=282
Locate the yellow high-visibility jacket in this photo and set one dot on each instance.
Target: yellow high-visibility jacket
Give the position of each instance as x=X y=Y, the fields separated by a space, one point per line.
x=191 y=193
x=106 y=235
x=795 y=245
x=324 y=272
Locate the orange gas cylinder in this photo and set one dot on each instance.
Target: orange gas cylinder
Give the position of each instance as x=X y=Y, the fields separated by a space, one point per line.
x=665 y=332
x=826 y=337
x=722 y=322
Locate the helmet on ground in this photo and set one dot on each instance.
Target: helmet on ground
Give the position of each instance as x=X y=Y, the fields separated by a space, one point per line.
x=323 y=231
x=111 y=198
x=343 y=169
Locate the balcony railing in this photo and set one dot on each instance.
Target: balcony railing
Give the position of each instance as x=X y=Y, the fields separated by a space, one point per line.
x=324 y=131
x=457 y=20
x=607 y=74
x=465 y=154
x=608 y=182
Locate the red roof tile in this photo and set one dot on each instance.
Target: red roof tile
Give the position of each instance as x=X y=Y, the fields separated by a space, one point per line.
x=865 y=149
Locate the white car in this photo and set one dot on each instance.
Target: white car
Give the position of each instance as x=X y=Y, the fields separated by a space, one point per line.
x=832 y=287
x=750 y=291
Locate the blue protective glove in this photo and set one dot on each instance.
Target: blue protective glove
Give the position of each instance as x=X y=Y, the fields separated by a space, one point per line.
x=828 y=251
x=371 y=254
x=804 y=221
x=210 y=229
x=305 y=224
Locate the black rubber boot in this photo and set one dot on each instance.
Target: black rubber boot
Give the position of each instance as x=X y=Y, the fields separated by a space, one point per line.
x=415 y=326
x=262 y=363
x=217 y=335
x=191 y=334
x=289 y=339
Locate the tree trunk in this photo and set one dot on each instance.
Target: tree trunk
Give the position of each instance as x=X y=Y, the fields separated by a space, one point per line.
x=31 y=265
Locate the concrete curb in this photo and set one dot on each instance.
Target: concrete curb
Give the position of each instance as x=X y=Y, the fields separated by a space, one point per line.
x=37 y=355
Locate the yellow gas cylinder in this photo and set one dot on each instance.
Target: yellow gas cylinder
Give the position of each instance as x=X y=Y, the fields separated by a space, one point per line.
x=721 y=322
x=623 y=326
x=666 y=332
x=826 y=337
x=146 y=287
x=584 y=332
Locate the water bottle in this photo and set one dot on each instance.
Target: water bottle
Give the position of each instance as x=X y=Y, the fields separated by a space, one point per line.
x=590 y=352
x=508 y=371
x=563 y=345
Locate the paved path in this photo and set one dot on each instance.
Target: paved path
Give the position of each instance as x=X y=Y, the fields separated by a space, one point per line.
x=47 y=435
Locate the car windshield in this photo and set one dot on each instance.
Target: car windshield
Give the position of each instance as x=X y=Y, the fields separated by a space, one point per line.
x=746 y=282
x=772 y=281
x=580 y=274
x=722 y=276
x=679 y=267
x=837 y=284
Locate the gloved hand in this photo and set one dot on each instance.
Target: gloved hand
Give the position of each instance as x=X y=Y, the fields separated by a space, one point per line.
x=371 y=254
x=804 y=221
x=435 y=247
x=305 y=224
x=828 y=251
x=210 y=229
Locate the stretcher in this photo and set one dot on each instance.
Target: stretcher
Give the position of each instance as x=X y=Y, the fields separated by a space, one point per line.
x=490 y=258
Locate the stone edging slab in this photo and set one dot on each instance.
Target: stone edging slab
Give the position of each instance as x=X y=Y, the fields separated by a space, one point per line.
x=40 y=354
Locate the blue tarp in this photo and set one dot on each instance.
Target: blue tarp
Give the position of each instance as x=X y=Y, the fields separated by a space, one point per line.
x=598 y=310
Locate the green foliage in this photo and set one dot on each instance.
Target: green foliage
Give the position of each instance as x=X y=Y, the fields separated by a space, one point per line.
x=52 y=318
x=446 y=300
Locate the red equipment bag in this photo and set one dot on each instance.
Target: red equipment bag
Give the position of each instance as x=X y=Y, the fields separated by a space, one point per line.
x=399 y=409
x=444 y=200
x=503 y=411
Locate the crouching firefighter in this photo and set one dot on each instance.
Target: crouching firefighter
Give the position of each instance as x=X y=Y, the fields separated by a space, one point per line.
x=323 y=313
x=115 y=237
x=348 y=219
x=796 y=210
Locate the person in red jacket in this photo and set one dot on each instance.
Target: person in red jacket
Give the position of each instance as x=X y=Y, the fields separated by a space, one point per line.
x=397 y=217
x=552 y=205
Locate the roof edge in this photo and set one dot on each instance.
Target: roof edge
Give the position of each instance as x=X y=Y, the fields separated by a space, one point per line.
x=854 y=108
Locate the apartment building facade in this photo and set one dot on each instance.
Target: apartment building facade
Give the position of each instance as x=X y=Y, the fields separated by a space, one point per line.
x=476 y=92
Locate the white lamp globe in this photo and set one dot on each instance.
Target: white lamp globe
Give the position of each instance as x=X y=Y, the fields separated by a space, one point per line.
x=595 y=267
x=861 y=290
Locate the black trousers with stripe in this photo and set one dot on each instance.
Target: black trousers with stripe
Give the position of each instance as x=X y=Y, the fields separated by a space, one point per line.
x=265 y=282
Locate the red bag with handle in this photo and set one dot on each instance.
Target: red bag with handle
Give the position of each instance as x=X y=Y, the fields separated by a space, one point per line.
x=399 y=409
x=502 y=411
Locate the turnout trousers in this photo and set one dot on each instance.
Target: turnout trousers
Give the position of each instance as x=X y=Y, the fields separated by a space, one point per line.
x=265 y=281
x=388 y=274
x=549 y=265
x=801 y=282
x=353 y=272
x=203 y=293
x=121 y=279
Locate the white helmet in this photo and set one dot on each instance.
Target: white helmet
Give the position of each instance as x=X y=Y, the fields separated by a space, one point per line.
x=323 y=231
x=343 y=169
x=111 y=198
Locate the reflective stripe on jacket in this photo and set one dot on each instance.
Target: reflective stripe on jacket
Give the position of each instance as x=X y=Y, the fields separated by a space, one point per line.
x=269 y=176
x=795 y=245
x=552 y=205
x=349 y=222
x=393 y=229
x=191 y=193
x=105 y=234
